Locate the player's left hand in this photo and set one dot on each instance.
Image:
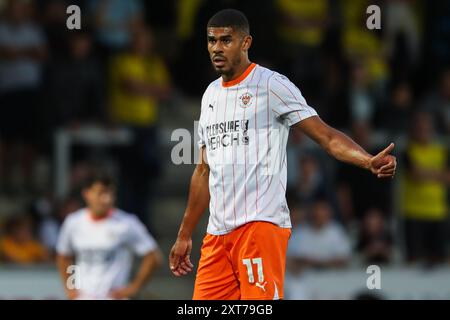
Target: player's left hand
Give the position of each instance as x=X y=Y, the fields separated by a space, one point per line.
x=384 y=164
x=124 y=293
x=179 y=258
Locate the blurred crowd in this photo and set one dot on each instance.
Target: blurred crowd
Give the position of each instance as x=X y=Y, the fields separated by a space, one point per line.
x=132 y=57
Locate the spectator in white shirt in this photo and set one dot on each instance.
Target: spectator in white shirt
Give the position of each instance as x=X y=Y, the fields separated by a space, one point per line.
x=320 y=244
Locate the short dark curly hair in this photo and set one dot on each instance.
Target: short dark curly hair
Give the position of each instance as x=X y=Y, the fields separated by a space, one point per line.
x=101 y=177
x=230 y=18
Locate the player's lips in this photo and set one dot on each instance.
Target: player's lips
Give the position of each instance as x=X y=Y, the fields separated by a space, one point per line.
x=219 y=61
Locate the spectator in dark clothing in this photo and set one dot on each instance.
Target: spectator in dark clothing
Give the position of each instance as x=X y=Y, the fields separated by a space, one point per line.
x=54 y=19
x=114 y=22
x=311 y=182
x=358 y=191
x=396 y=115
x=438 y=104
x=75 y=88
x=375 y=240
x=22 y=52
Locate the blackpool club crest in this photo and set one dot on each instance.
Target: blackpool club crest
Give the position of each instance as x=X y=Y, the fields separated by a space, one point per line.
x=246 y=100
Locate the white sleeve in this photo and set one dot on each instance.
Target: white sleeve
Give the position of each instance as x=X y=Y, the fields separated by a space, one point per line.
x=201 y=137
x=139 y=239
x=287 y=102
x=201 y=128
x=64 y=244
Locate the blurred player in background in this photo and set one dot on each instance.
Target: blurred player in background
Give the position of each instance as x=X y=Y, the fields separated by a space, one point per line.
x=244 y=252
x=100 y=241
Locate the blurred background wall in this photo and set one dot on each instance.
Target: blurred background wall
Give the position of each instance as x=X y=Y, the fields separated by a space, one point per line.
x=110 y=95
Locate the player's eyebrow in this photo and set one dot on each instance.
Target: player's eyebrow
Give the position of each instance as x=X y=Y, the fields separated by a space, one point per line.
x=225 y=37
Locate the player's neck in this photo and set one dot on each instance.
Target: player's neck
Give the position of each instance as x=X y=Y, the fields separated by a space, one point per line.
x=239 y=71
x=98 y=216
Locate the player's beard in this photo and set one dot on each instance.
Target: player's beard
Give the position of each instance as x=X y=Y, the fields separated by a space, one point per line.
x=230 y=72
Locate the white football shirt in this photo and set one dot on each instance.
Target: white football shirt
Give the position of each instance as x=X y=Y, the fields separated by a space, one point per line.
x=103 y=249
x=244 y=125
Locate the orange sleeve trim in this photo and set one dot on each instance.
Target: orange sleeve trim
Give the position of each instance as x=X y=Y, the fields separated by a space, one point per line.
x=240 y=78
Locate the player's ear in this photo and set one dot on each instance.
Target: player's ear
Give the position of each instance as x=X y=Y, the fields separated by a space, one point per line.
x=247 y=42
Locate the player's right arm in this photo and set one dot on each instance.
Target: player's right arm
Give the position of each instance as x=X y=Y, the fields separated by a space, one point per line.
x=198 y=201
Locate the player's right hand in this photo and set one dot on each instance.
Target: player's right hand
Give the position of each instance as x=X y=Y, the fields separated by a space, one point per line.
x=179 y=258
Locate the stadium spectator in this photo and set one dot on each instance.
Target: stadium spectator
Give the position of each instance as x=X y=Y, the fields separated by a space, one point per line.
x=319 y=244
x=22 y=52
x=51 y=219
x=54 y=18
x=438 y=103
x=298 y=215
x=374 y=239
x=424 y=192
x=357 y=191
x=301 y=30
x=436 y=38
x=115 y=21
x=402 y=34
x=18 y=244
x=296 y=146
x=396 y=115
x=362 y=45
x=333 y=101
x=310 y=183
x=102 y=240
x=74 y=85
x=139 y=83
x=361 y=98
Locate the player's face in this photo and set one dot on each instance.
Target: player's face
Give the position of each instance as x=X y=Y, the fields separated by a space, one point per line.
x=321 y=214
x=99 y=198
x=227 y=49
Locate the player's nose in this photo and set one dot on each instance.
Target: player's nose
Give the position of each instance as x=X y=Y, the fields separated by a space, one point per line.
x=217 y=48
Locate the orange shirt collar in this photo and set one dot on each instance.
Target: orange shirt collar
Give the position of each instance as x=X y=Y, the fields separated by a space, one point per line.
x=95 y=218
x=240 y=78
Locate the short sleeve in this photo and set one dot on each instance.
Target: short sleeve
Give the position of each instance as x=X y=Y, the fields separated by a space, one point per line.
x=139 y=239
x=287 y=102
x=201 y=125
x=201 y=140
x=64 y=244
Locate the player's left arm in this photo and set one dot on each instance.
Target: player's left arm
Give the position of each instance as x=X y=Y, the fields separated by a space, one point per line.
x=343 y=148
x=149 y=263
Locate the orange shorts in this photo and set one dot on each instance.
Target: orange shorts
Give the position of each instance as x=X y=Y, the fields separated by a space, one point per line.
x=247 y=263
